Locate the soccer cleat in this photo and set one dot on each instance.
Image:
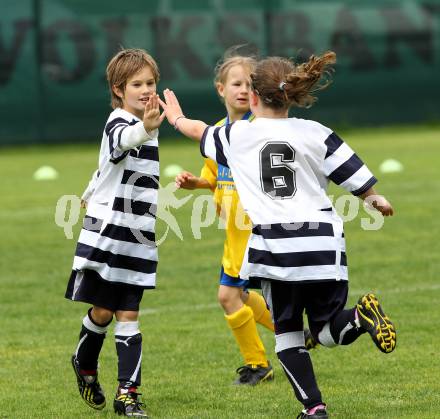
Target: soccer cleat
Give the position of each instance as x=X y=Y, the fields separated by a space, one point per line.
x=376 y=323
x=317 y=414
x=126 y=403
x=309 y=340
x=89 y=387
x=253 y=375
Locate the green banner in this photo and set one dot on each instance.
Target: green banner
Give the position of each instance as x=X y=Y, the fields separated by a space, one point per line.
x=53 y=55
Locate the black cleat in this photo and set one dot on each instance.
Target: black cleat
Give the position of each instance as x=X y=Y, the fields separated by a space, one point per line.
x=318 y=414
x=253 y=375
x=309 y=340
x=376 y=323
x=127 y=404
x=89 y=388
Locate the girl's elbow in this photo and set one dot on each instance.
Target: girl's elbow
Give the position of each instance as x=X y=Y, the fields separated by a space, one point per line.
x=197 y=134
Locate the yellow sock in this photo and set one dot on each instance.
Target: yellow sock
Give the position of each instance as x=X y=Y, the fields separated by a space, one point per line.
x=244 y=328
x=261 y=313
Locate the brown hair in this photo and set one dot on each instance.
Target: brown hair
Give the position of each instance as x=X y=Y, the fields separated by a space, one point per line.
x=281 y=83
x=124 y=65
x=231 y=58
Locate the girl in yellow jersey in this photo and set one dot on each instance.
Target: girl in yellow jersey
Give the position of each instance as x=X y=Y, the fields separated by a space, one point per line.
x=243 y=308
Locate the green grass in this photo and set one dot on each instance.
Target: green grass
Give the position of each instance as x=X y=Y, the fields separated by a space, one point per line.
x=189 y=353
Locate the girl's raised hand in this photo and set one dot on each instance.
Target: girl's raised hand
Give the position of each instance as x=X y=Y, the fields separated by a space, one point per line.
x=188 y=127
x=171 y=106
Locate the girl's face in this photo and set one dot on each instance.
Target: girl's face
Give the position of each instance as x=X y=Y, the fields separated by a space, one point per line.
x=137 y=91
x=235 y=90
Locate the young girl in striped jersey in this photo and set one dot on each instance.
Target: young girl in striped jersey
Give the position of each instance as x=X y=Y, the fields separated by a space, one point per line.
x=116 y=254
x=243 y=308
x=282 y=167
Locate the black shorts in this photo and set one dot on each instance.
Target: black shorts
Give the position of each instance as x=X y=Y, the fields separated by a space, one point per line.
x=89 y=287
x=321 y=301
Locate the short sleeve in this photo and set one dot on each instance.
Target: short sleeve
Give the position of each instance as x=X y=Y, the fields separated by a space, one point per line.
x=343 y=167
x=215 y=144
x=209 y=172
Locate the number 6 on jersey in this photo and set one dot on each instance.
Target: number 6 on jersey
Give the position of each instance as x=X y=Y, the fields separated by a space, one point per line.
x=278 y=180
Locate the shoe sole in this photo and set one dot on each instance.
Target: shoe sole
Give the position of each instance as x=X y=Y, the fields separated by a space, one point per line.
x=82 y=394
x=380 y=327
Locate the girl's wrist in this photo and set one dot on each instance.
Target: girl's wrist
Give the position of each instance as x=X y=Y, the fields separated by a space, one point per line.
x=176 y=120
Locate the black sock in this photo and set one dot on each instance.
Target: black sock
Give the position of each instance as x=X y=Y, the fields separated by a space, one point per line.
x=343 y=328
x=129 y=349
x=298 y=367
x=90 y=343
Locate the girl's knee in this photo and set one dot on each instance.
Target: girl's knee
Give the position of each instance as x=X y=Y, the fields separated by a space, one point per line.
x=223 y=298
x=101 y=315
x=127 y=316
x=229 y=298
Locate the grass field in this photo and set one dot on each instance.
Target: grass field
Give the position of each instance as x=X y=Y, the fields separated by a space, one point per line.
x=189 y=354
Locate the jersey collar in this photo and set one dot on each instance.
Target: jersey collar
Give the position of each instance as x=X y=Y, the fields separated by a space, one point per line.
x=245 y=117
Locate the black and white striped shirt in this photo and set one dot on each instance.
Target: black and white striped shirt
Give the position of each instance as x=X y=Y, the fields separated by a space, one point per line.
x=118 y=235
x=282 y=168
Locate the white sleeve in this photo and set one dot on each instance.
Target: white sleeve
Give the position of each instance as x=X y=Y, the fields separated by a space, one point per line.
x=345 y=168
x=215 y=144
x=90 y=187
x=123 y=136
x=131 y=136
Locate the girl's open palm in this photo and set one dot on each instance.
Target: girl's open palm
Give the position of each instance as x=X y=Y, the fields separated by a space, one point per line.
x=171 y=106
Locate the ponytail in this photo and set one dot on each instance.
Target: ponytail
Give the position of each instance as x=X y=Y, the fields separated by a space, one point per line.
x=282 y=84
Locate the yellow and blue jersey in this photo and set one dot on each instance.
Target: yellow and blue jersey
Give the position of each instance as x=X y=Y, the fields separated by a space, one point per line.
x=237 y=224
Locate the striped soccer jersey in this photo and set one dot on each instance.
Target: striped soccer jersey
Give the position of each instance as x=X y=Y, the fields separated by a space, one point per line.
x=118 y=235
x=281 y=169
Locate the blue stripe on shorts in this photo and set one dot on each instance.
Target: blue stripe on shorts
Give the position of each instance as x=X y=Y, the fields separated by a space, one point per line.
x=232 y=281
